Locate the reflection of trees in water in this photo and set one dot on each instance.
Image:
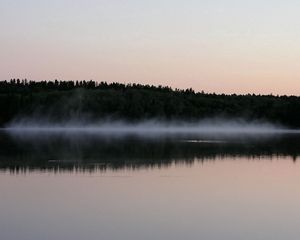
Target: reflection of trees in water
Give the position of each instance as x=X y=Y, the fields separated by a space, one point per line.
x=86 y=153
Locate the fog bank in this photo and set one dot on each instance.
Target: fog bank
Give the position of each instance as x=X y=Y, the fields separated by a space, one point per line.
x=150 y=127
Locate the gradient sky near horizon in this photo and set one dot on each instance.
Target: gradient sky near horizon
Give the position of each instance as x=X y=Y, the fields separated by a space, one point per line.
x=218 y=46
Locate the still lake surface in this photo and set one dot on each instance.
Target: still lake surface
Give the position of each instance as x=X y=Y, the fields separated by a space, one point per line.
x=83 y=186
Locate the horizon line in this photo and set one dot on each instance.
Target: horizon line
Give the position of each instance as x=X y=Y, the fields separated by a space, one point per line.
x=132 y=84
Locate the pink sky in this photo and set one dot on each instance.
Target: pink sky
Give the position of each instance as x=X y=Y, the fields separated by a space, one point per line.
x=209 y=45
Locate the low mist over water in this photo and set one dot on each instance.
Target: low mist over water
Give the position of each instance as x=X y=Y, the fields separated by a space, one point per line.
x=115 y=180
x=137 y=147
x=148 y=128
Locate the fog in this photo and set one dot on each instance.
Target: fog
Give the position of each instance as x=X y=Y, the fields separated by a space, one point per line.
x=149 y=128
x=119 y=144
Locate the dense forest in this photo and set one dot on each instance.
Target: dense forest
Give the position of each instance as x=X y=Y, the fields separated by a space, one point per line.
x=66 y=100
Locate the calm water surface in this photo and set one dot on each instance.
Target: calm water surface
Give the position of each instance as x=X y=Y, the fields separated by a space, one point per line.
x=177 y=187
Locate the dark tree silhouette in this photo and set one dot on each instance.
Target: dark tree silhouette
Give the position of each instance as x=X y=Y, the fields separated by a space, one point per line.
x=61 y=100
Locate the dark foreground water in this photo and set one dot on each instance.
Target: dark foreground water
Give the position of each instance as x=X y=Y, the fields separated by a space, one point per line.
x=81 y=186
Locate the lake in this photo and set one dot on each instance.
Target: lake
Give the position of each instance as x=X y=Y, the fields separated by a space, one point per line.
x=184 y=186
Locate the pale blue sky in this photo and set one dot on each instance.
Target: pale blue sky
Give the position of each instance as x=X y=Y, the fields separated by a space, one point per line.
x=218 y=46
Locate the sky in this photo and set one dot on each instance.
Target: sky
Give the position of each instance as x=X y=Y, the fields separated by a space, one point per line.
x=222 y=46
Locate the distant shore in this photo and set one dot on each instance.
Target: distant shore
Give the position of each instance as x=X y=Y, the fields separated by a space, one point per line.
x=90 y=101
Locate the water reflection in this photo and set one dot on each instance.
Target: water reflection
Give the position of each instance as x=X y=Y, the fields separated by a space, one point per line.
x=21 y=153
x=167 y=187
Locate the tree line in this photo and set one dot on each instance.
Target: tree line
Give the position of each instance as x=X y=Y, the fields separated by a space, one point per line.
x=66 y=100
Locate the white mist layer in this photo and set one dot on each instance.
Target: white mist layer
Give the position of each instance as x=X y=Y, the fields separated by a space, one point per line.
x=153 y=127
